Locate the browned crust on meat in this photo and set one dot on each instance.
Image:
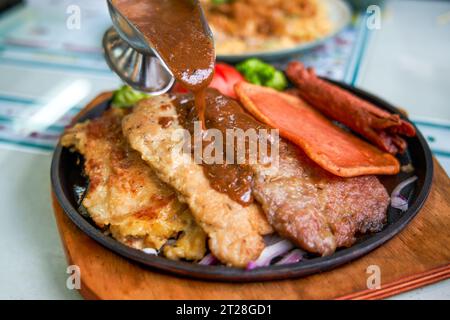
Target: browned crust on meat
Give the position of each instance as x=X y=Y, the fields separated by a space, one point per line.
x=125 y=195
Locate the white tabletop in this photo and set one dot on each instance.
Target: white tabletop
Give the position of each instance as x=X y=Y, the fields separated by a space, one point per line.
x=395 y=65
x=32 y=264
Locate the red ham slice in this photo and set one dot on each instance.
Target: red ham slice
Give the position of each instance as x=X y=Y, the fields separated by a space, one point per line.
x=331 y=147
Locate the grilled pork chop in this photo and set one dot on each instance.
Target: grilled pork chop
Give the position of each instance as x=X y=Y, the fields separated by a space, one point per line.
x=234 y=231
x=125 y=195
x=315 y=209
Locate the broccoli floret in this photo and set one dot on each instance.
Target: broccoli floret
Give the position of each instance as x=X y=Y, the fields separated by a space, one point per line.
x=126 y=97
x=278 y=81
x=261 y=73
x=218 y=2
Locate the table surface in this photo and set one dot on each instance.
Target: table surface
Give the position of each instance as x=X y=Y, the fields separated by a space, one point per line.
x=409 y=53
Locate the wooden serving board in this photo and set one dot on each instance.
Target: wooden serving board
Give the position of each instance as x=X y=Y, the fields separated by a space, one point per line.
x=418 y=256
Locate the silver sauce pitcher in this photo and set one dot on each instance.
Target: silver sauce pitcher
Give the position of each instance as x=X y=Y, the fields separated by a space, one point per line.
x=130 y=55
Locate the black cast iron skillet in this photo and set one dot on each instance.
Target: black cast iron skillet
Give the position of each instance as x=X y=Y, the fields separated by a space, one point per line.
x=67 y=178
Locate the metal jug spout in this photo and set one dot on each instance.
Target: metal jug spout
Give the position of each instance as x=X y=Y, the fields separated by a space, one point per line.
x=132 y=58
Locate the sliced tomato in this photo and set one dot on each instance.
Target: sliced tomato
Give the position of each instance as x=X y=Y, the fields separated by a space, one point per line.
x=178 y=88
x=225 y=77
x=219 y=83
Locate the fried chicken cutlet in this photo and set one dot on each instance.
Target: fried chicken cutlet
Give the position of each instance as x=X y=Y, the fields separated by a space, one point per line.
x=125 y=195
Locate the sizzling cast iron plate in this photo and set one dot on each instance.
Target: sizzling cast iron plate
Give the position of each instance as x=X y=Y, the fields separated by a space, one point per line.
x=66 y=174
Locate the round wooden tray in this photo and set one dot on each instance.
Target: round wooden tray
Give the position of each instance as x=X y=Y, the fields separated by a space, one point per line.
x=417 y=256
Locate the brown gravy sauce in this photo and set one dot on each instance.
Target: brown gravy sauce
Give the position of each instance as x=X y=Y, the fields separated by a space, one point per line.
x=175 y=29
x=222 y=113
x=165 y=122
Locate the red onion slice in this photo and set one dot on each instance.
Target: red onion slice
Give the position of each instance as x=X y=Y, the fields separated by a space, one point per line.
x=397 y=200
x=272 y=239
x=294 y=256
x=208 y=260
x=270 y=252
x=251 y=265
x=151 y=251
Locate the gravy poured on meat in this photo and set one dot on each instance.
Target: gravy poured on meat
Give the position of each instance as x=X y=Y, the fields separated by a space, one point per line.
x=304 y=203
x=175 y=29
x=223 y=113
